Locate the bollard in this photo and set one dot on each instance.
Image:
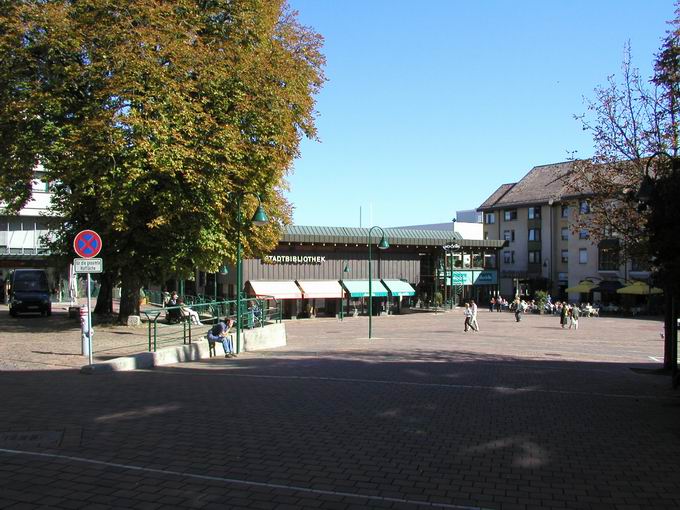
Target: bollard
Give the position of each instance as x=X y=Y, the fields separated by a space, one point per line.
x=84 y=329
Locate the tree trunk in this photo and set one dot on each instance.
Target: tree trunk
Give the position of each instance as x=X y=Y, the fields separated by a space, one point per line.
x=668 y=329
x=129 y=296
x=104 y=304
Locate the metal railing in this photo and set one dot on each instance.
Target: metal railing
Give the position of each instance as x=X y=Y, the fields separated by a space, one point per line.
x=173 y=325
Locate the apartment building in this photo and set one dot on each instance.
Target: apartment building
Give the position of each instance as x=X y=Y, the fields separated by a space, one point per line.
x=545 y=251
x=23 y=235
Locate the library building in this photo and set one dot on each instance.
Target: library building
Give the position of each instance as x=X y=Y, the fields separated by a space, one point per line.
x=324 y=271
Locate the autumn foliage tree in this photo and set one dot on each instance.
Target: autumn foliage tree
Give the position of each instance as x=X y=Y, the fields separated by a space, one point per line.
x=633 y=179
x=145 y=114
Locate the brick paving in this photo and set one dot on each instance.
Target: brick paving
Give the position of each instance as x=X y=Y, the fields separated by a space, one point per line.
x=517 y=416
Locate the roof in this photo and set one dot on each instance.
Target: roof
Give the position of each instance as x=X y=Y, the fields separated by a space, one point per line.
x=541 y=185
x=396 y=236
x=496 y=195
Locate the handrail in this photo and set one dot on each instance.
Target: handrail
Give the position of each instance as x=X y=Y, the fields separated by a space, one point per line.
x=255 y=312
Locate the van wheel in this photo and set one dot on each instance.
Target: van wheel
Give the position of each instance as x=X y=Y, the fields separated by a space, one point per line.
x=49 y=312
x=12 y=313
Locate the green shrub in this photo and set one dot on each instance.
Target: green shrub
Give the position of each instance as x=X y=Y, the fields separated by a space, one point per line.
x=541 y=298
x=438 y=298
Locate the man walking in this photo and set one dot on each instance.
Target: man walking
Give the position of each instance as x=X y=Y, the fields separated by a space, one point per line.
x=473 y=320
x=575 y=313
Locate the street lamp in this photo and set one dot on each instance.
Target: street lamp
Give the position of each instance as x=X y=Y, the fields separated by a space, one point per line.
x=382 y=245
x=259 y=219
x=453 y=227
x=448 y=250
x=345 y=269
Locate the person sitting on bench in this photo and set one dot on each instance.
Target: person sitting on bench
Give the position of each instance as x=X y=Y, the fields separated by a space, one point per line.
x=174 y=314
x=220 y=332
x=186 y=311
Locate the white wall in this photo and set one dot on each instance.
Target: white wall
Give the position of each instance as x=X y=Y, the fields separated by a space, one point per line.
x=470 y=230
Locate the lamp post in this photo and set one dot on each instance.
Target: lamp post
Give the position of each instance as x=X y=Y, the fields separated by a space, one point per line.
x=382 y=245
x=259 y=219
x=448 y=250
x=453 y=246
x=345 y=269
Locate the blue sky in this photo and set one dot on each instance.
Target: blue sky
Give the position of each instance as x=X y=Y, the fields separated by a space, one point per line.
x=430 y=106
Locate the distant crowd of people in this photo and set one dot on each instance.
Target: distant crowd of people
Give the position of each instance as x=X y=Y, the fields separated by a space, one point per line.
x=569 y=313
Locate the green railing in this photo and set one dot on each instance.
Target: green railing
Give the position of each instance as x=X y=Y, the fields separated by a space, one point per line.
x=156 y=297
x=171 y=325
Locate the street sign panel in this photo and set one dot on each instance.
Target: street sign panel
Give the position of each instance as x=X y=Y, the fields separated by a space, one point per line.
x=88 y=265
x=87 y=244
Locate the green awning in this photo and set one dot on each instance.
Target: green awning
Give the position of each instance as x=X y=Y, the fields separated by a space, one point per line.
x=359 y=288
x=399 y=288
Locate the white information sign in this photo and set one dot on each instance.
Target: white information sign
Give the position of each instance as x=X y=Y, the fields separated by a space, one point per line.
x=88 y=265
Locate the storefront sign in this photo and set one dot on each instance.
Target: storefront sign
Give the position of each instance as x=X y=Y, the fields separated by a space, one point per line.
x=294 y=259
x=461 y=277
x=485 y=277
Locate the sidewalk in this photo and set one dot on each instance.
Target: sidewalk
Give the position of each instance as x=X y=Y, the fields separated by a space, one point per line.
x=518 y=416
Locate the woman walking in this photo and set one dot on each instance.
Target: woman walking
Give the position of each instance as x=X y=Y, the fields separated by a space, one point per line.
x=468 y=317
x=564 y=315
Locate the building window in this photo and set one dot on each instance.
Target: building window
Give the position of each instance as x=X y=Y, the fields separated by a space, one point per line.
x=608 y=256
x=583 y=234
x=584 y=207
x=509 y=257
x=565 y=256
x=534 y=234
x=489 y=261
x=564 y=234
x=535 y=257
x=582 y=256
x=534 y=213
x=509 y=235
x=564 y=211
x=510 y=215
x=490 y=218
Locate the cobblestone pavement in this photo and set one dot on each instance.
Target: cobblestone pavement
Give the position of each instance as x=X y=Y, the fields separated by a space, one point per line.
x=422 y=416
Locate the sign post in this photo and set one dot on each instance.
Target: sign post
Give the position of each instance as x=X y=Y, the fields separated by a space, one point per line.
x=87 y=244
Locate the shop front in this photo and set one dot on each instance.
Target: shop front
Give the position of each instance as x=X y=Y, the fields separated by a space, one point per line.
x=319 y=265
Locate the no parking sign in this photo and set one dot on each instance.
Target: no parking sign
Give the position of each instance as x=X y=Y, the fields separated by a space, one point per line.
x=87 y=244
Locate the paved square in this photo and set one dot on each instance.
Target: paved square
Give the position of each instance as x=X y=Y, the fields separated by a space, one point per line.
x=519 y=415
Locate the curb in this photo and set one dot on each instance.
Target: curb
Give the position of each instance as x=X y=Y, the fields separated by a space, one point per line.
x=145 y=360
x=256 y=339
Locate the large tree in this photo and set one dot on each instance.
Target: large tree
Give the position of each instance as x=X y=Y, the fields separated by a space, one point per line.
x=633 y=178
x=149 y=118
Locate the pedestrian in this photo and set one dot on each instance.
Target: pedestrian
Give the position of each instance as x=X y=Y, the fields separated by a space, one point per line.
x=221 y=332
x=518 y=309
x=568 y=314
x=499 y=303
x=564 y=315
x=473 y=320
x=492 y=303
x=467 y=313
x=186 y=311
x=575 y=314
